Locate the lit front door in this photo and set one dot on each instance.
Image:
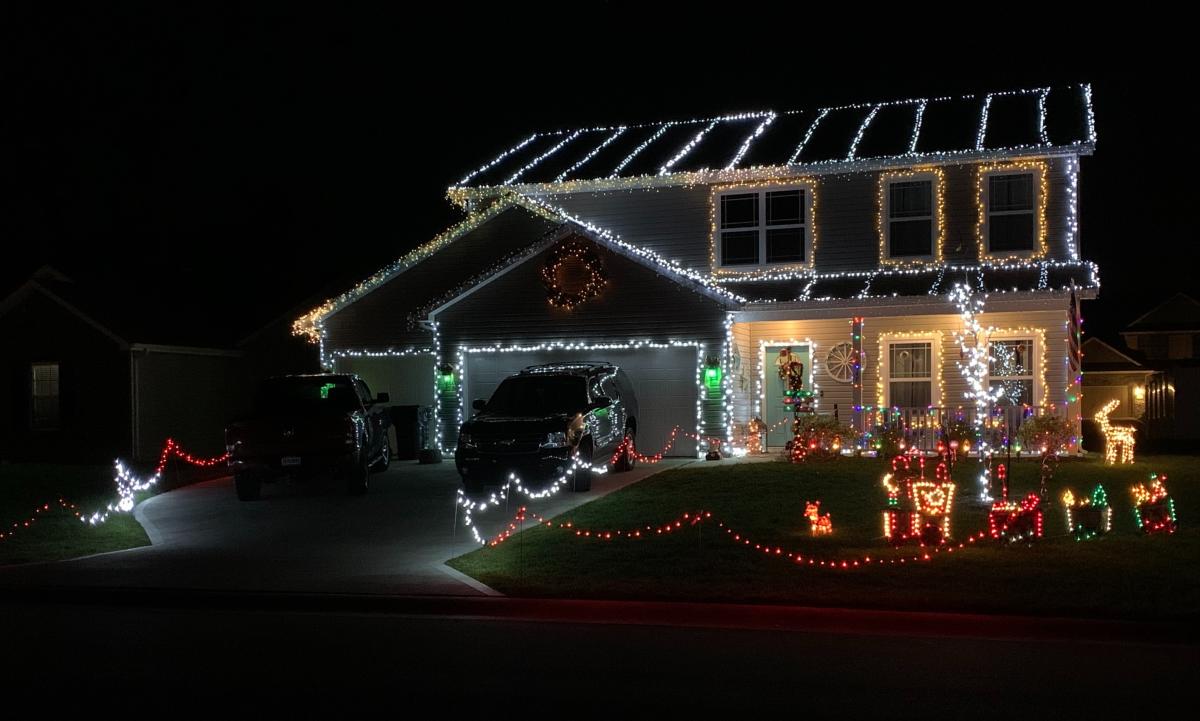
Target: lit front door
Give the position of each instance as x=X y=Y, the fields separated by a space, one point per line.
x=775 y=410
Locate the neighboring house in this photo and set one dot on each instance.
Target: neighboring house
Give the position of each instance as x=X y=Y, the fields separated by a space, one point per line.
x=87 y=378
x=694 y=253
x=1168 y=339
x=1109 y=374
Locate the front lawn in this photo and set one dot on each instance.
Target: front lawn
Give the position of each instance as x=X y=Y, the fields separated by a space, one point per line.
x=57 y=533
x=1122 y=574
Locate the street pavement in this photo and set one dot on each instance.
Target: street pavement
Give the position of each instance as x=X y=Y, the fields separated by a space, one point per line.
x=308 y=537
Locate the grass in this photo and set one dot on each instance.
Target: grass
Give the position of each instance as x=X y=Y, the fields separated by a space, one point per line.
x=1123 y=574
x=57 y=534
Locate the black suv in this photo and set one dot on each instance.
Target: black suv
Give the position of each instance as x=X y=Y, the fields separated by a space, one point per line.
x=538 y=419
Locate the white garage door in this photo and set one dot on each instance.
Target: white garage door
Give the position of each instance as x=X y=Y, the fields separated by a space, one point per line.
x=663 y=379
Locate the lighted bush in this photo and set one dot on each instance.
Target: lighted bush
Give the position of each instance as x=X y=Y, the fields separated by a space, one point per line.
x=1052 y=433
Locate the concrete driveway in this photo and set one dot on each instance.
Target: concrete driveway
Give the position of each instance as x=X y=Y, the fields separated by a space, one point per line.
x=307 y=537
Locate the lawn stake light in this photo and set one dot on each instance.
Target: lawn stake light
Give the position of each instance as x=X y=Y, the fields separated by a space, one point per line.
x=1014 y=521
x=1118 y=440
x=1154 y=509
x=819 y=525
x=754 y=434
x=1088 y=517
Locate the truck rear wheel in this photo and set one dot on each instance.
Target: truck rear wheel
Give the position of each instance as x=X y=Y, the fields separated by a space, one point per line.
x=249 y=486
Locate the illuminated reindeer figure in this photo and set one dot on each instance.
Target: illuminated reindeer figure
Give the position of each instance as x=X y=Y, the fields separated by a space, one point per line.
x=821 y=525
x=1118 y=440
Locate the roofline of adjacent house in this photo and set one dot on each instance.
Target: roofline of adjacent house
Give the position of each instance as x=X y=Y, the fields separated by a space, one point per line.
x=184 y=350
x=1143 y=316
x=1112 y=348
x=32 y=285
x=461 y=195
x=1161 y=330
x=1131 y=371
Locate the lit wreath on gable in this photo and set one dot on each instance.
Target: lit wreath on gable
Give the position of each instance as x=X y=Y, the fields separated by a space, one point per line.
x=593 y=265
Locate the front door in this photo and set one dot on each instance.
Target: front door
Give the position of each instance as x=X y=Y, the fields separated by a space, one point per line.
x=775 y=410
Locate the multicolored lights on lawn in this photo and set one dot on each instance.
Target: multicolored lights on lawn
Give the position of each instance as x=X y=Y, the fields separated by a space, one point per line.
x=1087 y=517
x=917 y=509
x=1016 y=521
x=1153 y=507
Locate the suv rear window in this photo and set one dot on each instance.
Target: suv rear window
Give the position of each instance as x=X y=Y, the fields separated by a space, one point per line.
x=539 y=396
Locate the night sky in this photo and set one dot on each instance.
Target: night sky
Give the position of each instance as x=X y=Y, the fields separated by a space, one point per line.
x=248 y=165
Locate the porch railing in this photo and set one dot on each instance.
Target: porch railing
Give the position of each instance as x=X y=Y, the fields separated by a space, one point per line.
x=922 y=428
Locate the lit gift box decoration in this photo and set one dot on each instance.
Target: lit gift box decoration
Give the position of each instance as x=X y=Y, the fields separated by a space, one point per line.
x=1016 y=521
x=917 y=509
x=1153 y=507
x=1090 y=516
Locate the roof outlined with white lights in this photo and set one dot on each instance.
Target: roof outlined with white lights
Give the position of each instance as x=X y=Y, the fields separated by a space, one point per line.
x=1016 y=122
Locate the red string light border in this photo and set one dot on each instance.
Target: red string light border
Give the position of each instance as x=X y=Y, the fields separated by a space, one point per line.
x=627 y=443
x=927 y=553
x=126 y=485
x=44 y=508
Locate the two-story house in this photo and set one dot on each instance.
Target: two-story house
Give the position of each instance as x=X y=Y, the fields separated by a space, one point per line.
x=695 y=252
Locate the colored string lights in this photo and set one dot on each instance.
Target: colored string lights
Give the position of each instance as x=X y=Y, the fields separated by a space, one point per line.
x=1154 y=509
x=16 y=526
x=1016 y=521
x=1089 y=516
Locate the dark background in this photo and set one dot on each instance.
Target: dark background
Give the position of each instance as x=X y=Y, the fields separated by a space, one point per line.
x=242 y=165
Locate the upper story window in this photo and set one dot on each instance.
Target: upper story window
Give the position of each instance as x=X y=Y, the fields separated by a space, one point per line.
x=910 y=216
x=763 y=227
x=1012 y=211
x=44 y=396
x=910 y=374
x=1010 y=367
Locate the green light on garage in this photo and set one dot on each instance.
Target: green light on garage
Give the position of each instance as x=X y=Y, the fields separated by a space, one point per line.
x=446 y=379
x=712 y=377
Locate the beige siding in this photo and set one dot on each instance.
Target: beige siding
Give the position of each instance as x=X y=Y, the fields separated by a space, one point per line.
x=826 y=333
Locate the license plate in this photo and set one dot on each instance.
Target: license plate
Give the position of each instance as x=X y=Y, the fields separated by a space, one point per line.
x=289 y=461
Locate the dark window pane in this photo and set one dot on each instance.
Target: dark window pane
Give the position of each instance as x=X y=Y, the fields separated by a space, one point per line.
x=739 y=211
x=1015 y=392
x=911 y=199
x=909 y=394
x=785 y=245
x=910 y=237
x=1010 y=232
x=785 y=207
x=910 y=360
x=1011 y=192
x=739 y=247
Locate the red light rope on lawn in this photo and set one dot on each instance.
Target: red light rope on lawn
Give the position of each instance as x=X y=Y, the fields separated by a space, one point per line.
x=45 y=507
x=171 y=448
x=127 y=485
x=692 y=518
x=677 y=431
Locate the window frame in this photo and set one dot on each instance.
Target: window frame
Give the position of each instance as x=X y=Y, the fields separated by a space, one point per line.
x=1038 y=348
x=34 y=423
x=808 y=190
x=886 y=342
x=1037 y=170
x=936 y=179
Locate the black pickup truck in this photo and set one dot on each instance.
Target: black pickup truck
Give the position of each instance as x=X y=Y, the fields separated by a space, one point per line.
x=305 y=425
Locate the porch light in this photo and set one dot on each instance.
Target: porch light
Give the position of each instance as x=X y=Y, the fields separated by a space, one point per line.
x=1139 y=392
x=445 y=377
x=712 y=374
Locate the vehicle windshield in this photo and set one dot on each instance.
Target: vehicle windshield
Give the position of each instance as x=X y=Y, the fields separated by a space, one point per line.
x=539 y=396
x=307 y=394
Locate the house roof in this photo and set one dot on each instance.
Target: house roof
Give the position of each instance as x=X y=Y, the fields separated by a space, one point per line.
x=551 y=219
x=1032 y=120
x=1177 y=313
x=1100 y=356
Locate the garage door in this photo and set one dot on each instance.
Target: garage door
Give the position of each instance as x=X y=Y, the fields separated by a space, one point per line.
x=663 y=379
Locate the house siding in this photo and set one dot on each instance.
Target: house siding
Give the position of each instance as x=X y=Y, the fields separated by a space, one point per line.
x=93 y=386
x=637 y=304
x=675 y=221
x=836 y=397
